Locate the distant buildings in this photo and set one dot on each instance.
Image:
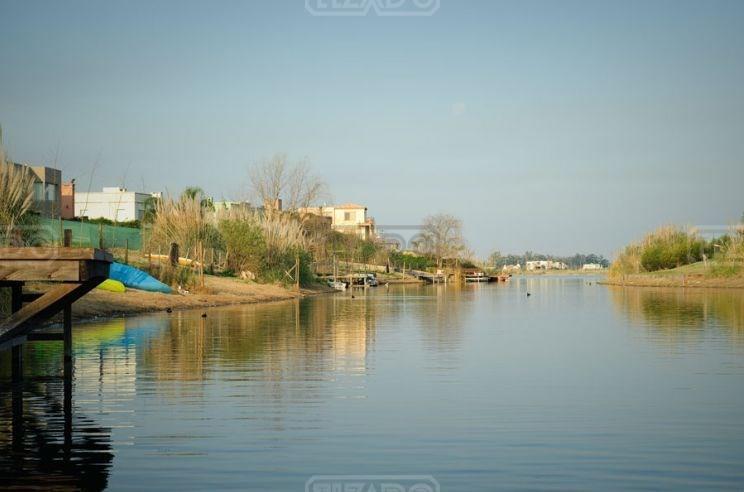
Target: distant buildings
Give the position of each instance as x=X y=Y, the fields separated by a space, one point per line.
x=592 y=266
x=229 y=205
x=115 y=204
x=532 y=266
x=349 y=218
x=47 y=190
x=512 y=268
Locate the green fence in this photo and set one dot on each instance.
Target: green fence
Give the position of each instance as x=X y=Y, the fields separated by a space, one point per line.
x=87 y=235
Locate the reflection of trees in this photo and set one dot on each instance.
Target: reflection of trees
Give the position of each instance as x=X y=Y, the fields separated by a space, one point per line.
x=442 y=319
x=279 y=340
x=680 y=313
x=39 y=448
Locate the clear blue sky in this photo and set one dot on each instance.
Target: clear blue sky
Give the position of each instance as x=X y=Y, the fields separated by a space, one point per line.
x=552 y=126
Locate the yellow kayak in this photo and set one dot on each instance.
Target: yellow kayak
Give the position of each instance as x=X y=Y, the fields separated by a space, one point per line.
x=112 y=285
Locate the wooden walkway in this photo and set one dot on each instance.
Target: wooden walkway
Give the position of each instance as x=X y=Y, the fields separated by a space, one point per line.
x=75 y=272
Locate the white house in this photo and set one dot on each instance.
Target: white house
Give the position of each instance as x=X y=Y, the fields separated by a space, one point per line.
x=592 y=266
x=531 y=266
x=113 y=203
x=348 y=218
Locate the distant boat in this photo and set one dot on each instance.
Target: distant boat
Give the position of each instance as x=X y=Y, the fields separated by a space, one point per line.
x=137 y=279
x=476 y=277
x=340 y=286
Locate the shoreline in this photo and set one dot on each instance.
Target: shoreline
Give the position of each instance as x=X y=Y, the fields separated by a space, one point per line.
x=218 y=291
x=676 y=281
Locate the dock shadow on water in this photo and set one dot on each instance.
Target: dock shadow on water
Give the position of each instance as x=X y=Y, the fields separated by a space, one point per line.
x=45 y=445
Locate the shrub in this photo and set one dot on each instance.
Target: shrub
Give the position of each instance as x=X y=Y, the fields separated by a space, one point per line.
x=244 y=244
x=415 y=262
x=665 y=248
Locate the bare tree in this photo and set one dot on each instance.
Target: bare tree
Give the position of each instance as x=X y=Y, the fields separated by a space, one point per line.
x=441 y=237
x=277 y=179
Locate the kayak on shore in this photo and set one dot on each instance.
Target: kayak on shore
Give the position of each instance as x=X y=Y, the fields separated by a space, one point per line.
x=135 y=278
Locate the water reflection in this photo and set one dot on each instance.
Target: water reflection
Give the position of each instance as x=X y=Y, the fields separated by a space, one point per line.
x=394 y=380
x=44 y=444
x=680 y=314
x=276 y=339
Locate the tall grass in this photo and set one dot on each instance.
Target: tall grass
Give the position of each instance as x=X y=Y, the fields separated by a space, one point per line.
x=186 y=222
x=665 y=248
x=16 y=199
x=730 y=260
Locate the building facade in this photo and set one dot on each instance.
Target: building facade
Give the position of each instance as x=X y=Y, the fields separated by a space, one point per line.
x=115 y=204
x=68 y=200
x=348 y=218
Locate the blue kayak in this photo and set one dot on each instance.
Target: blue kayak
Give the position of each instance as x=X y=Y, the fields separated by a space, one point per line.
x=137 y=279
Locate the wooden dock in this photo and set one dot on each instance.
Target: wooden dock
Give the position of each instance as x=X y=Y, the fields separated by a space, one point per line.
x=75 y=271
x=430 y=278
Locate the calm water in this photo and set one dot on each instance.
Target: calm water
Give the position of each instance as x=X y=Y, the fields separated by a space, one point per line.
x=579 y=386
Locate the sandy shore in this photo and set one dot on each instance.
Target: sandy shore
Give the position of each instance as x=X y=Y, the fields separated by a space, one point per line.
x=666 y=280
x=219 y=291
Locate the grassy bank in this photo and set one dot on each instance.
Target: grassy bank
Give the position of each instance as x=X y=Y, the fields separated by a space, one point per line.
x=675 y=257
x=701 y=274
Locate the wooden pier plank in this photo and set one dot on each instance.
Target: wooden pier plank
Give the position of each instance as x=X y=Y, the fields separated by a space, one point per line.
x=55 y=254
x=33 y=270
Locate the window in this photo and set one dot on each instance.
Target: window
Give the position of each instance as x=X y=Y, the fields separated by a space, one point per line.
x=38 y=191
x=347 y=216
x=51 y=192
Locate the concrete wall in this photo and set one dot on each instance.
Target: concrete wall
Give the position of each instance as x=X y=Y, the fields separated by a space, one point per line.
x=114 y=204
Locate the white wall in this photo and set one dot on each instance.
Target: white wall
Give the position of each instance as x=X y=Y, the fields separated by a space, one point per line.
x=118 y=206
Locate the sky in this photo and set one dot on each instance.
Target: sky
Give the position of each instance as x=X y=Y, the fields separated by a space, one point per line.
x=556 y=126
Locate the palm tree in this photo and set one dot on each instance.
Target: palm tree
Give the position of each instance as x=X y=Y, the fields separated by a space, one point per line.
x=195 y=192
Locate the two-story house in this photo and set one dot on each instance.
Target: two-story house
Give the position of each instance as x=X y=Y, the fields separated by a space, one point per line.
x=348 y=218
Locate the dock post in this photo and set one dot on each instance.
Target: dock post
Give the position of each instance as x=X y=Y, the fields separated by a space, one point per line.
x=16 y=363
x=16 y=303
x=67 y=318
x=68 y=334
x=173 y=254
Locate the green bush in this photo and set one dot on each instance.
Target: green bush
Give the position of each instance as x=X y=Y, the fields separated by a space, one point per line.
x=666 y=248
x=415 y=262
x=670 y=248
x=244 y=244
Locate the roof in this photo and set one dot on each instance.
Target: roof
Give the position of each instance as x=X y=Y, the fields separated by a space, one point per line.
x=350 y=205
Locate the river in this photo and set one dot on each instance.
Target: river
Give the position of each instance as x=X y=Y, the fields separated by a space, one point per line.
x=576 y=386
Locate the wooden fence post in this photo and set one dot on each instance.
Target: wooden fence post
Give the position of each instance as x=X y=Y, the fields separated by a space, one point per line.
x=173 y=254
x=297 y=273
x=101 y=243
x=67 y=235
x=126 y=251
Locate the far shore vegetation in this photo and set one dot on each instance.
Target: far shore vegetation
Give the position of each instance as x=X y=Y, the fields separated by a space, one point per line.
x=674 y=252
